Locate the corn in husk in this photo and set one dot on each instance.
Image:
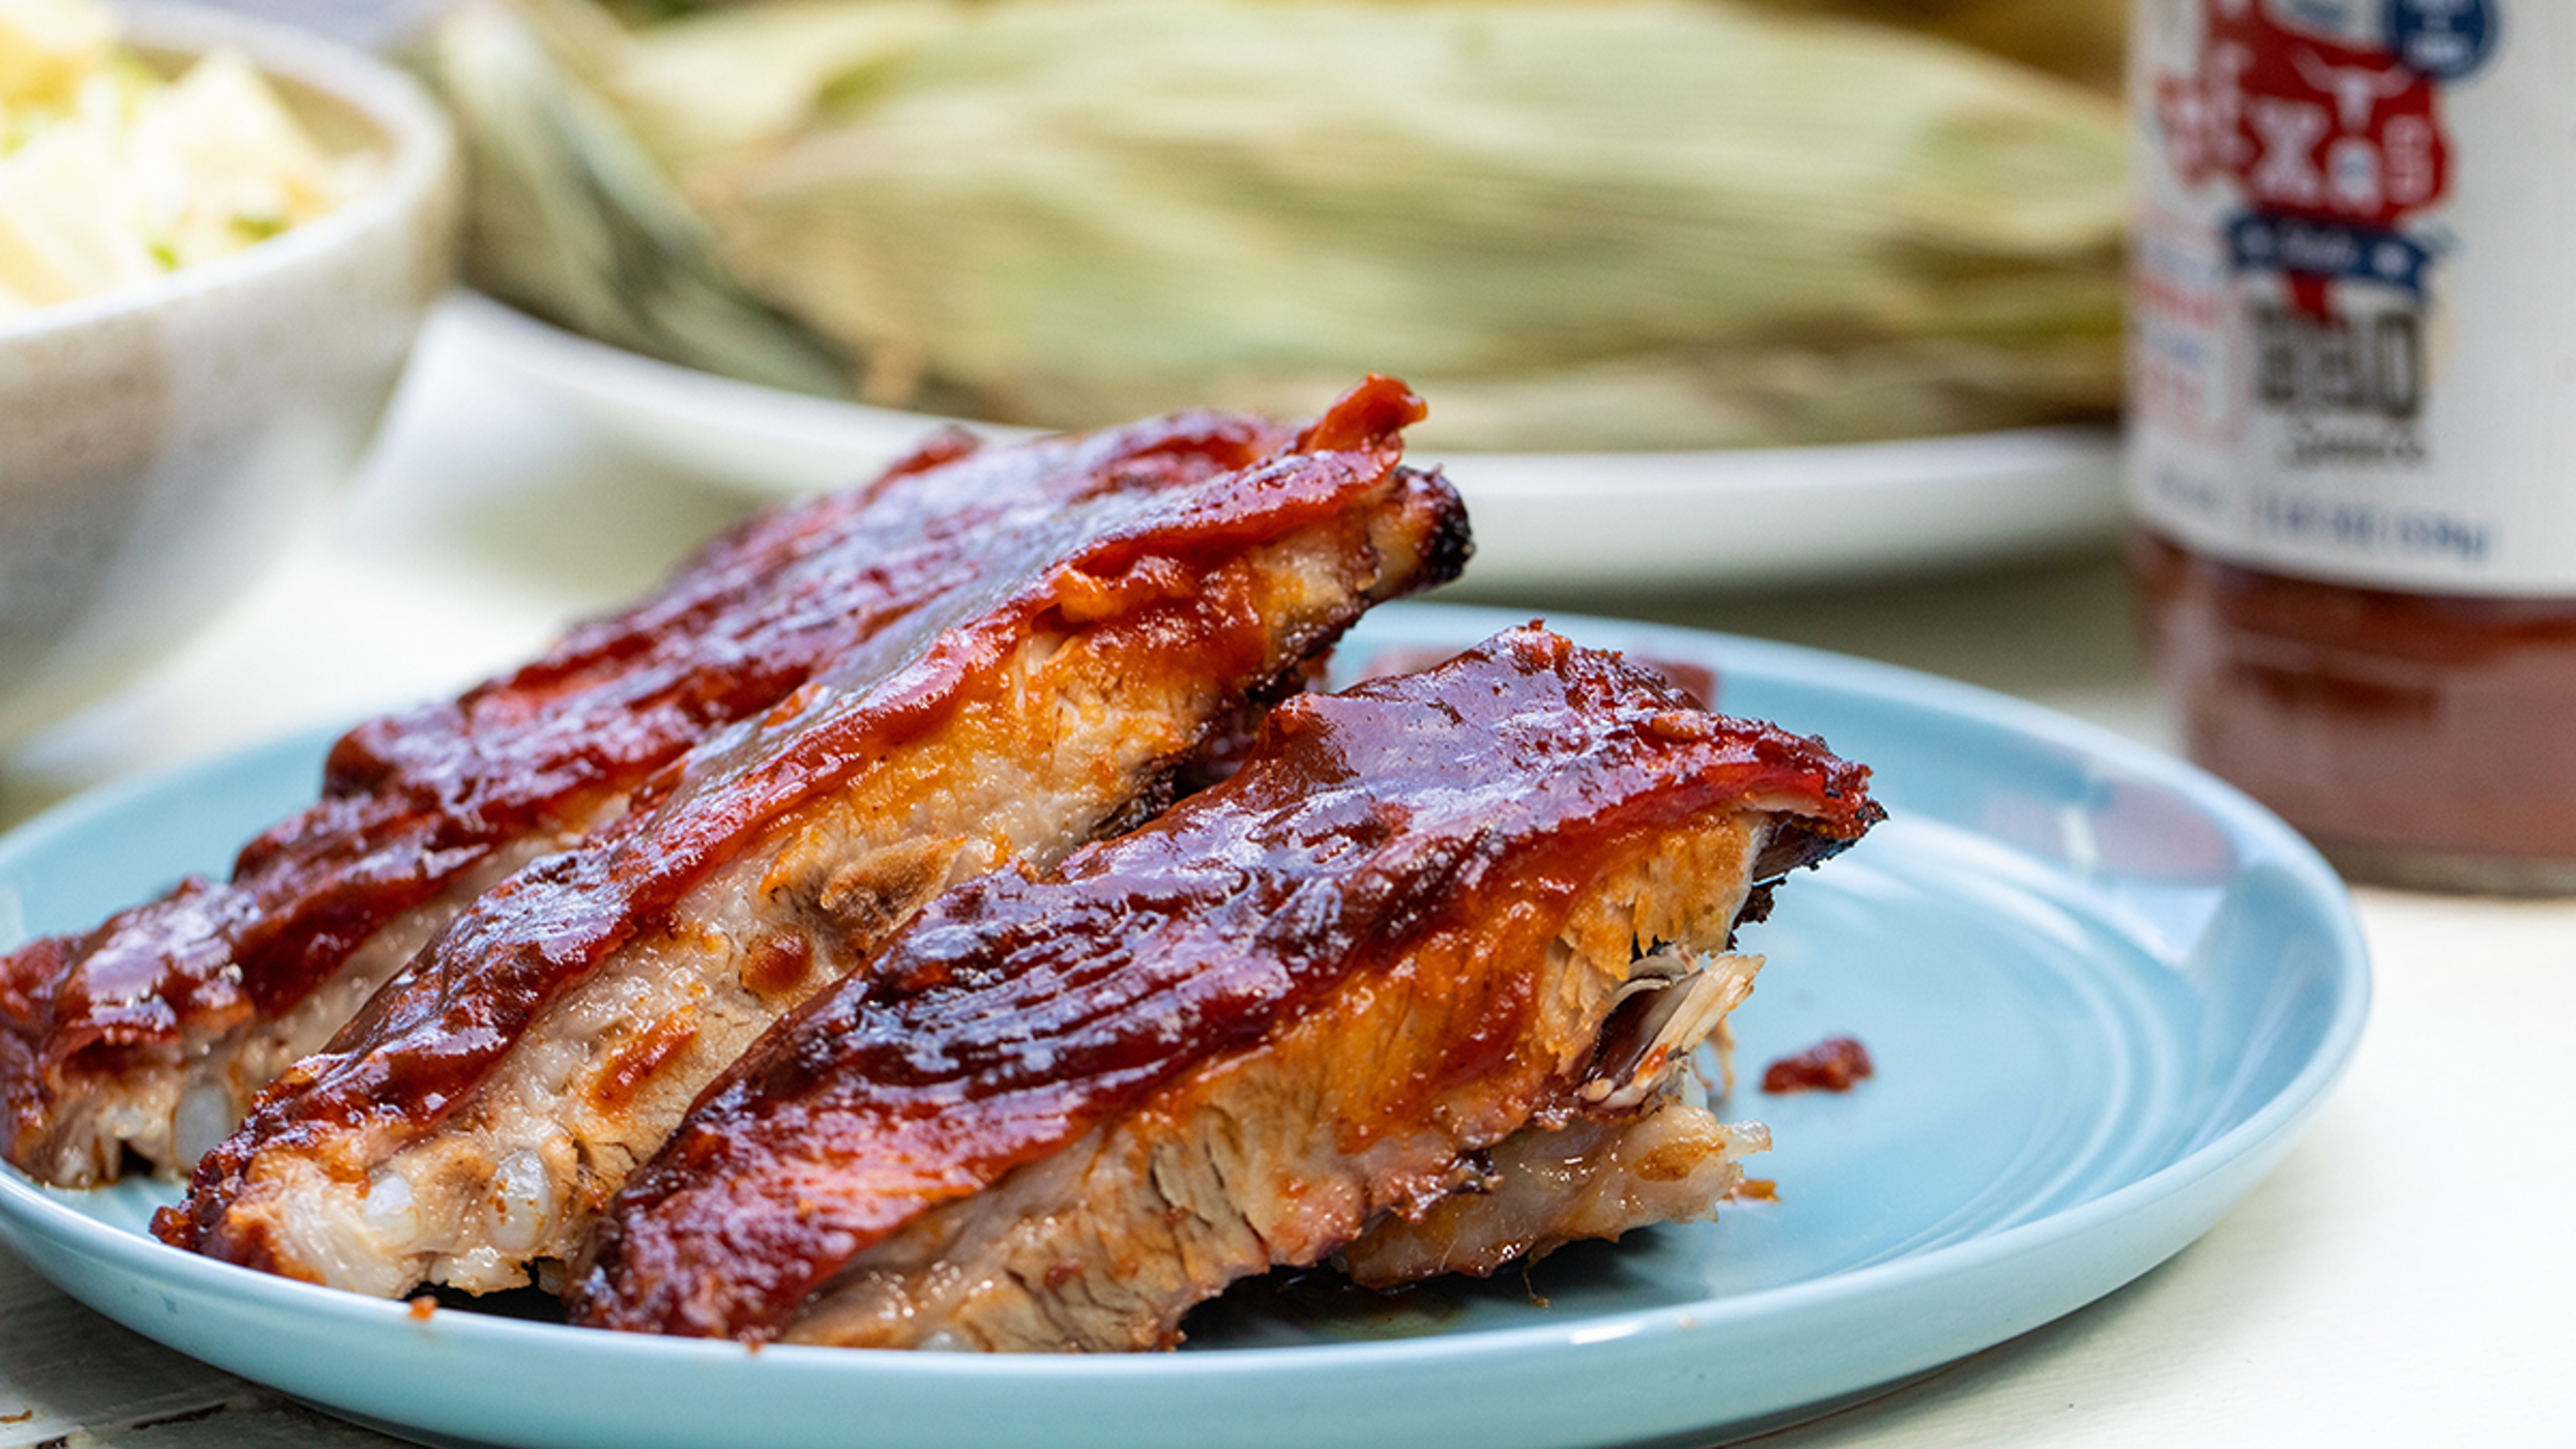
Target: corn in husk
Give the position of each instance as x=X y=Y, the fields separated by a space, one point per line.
x=1572 y=223
x=570 y=218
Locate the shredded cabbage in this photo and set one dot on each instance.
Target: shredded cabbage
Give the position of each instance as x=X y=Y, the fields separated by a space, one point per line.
x=110 y=174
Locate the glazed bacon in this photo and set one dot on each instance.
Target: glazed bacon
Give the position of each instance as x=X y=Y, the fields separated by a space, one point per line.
x=470 y=1123
x=1436 y=934
x=151 y=1033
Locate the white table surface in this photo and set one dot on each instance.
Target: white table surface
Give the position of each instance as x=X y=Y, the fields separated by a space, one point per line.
x=2404 y=1277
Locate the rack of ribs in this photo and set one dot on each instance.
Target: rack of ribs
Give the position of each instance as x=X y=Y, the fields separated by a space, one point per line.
x=1420 y=983
x=150 y=1034
x=470 y=1122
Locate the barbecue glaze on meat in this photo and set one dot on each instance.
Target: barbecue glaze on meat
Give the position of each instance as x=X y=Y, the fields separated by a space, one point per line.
x=472 y=1121
x=1430 y=925
x=152 y=1033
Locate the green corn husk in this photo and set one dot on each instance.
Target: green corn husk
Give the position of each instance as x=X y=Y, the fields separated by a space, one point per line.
x=571 y=219
x=1571 y=223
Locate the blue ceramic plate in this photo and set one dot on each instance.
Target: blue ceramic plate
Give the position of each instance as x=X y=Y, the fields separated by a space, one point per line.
x=2103 y=993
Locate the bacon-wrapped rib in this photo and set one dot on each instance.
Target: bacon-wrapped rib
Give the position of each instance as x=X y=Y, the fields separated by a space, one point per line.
x=1439 y=934
x=468 y=1126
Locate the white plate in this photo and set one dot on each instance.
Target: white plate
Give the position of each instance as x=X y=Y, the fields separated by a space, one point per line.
x=2103 y=992
x=1721 y=518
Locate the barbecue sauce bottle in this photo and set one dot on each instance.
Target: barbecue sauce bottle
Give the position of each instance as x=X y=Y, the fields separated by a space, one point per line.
x=2353 y=419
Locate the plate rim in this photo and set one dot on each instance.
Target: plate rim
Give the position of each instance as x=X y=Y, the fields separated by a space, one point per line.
x=570 y=357
x=1690 y=518
x=2250 y=1145
x=833 y=419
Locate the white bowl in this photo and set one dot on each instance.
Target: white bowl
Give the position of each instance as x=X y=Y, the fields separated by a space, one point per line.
x=159 y=443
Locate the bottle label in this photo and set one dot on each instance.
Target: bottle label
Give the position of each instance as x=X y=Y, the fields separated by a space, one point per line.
x=2353 y=313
